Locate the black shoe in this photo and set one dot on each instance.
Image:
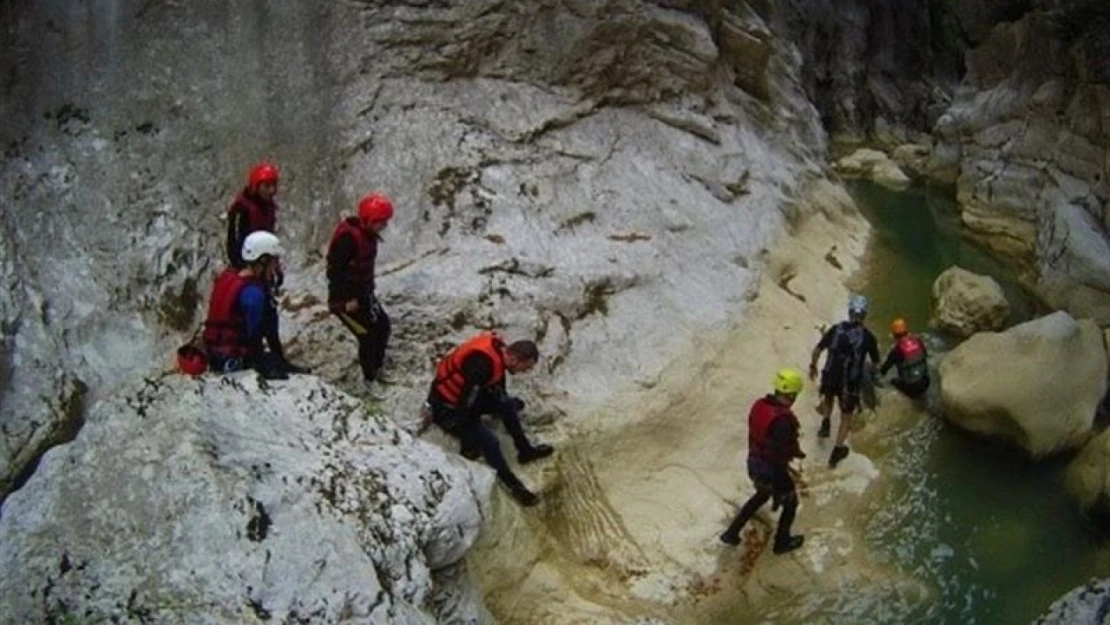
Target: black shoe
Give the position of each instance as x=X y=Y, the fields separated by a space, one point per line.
x=534 y=453
x=823 y=431
x=296 y=369
x=730 y=539
x=788 y=544
x=470 y=453
x=523 y=496
x=839 y=453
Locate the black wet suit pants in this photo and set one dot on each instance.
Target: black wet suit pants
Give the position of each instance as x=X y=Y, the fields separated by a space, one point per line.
x=475 y=437
x=371 y=327
x=778 y=485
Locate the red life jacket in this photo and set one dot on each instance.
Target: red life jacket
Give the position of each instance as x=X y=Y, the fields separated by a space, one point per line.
x=261 y=214
x=765 y=411
x=361 y=269
x=450 y=381
x=225 y=329
x=913 y=366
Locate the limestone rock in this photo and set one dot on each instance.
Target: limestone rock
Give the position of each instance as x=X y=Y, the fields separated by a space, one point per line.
x=1026 y=144
x=912 y=158
x=1088 y=480
x=1086 y=604
x=224 y=500
x=965 y=303
x=875 y=165
x=1036 y=385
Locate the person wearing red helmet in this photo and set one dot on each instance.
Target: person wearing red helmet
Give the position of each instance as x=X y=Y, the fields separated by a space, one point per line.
x=350 y=269
x=254 y=210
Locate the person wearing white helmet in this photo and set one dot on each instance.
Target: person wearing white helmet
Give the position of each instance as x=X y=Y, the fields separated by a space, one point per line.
x=238 y=311
x=849 y=344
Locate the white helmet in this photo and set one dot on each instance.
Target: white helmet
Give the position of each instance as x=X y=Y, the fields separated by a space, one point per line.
x=259 y=244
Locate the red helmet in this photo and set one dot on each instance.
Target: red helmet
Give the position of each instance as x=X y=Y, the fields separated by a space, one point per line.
x=262 y=173
x=375 y=207
x=191 y=361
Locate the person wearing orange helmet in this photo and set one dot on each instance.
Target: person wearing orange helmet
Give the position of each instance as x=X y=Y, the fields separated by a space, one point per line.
x=254 y=210
x=910 y=359
x=350 y=269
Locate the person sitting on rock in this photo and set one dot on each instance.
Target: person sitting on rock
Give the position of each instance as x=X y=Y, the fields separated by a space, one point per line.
x=235 y=328
x=254 y=210
x=773 y=432
x=469 y=383
x=849 y=344
x=910 y=358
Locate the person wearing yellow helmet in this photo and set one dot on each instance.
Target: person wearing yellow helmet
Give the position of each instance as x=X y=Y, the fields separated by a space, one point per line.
x=909 y=358
x=772 y=443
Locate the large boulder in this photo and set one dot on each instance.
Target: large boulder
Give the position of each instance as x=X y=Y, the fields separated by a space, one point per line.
x=1037 y=384
x=873 y=165
x=1088 y=480
x=966 y=302
x=1082 y=606
x=228 y=500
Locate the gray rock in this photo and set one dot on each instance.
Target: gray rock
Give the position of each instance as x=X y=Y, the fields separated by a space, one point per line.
x=223 y=500
x=1087 y=605
x=965 y=303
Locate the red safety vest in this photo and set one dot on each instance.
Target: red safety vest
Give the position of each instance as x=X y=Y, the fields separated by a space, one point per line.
x=913 y=365
x=361 y=269
x=765 y=411
x=450 y=381
x=261 y=215
x=225 y=329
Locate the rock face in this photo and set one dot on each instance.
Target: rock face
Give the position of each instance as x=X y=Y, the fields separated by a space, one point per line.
x=1088 y=480
x=1026 y=142
x=557 y=170
x=1087 y=604
x=874 y=165
x=996 y=383
x=221 y=500
x=965 y=303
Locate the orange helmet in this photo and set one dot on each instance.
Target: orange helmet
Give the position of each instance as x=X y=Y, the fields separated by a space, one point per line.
x=375 y=207
x=898 y=326
x=191 y=361
x=262 y=173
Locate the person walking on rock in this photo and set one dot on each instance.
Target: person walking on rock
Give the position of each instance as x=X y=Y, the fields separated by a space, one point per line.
x=909 y=358
x=350 y=269
x=235 y=328
x=773 y=433
x=469 y=383
x=849 y=344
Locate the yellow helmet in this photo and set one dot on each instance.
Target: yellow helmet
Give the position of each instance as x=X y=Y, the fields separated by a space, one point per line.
x=788 y=382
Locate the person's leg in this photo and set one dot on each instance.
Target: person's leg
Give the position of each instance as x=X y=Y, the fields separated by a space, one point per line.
x=506 y=410
x=378 y=340
x=731 y=536
x=272 y=337
x=849 y=403
x=475 y=434
x=361 y=326
x=828 y=389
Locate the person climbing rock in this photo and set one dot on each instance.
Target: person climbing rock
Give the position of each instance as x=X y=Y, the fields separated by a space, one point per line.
x=773 y=433
x=350 y=269
x=849 y=344
x=469 y=383
x=909 y=358
x=235 y=328
x=254 y=210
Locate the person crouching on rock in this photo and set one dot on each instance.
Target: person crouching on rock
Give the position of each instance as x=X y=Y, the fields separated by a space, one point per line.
x=469 y=383
x=772 y=443
x=909 y=358
x=237 y=313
